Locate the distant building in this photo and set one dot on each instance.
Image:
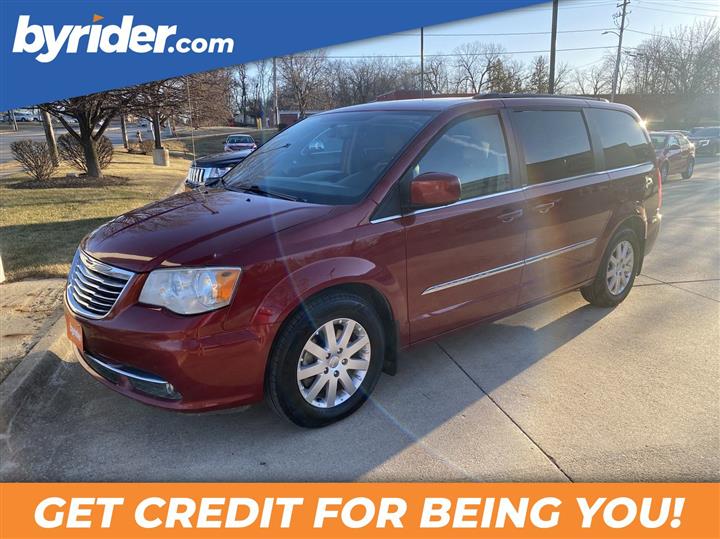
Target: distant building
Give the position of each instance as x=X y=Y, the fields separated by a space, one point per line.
x=290 y=117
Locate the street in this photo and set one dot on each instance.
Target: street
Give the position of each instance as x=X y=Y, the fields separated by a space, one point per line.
x=34 y=131
x=560 y=392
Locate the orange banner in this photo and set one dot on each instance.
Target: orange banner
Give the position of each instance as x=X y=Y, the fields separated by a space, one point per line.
x=557 y=510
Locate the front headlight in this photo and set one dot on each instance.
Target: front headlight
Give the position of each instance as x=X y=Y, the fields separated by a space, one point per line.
x=190 y=291
x=216 y=172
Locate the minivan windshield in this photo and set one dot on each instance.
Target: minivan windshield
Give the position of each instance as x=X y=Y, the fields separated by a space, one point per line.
x=331 y=158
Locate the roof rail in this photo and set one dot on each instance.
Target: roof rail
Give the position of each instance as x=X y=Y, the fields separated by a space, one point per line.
x=496 y=95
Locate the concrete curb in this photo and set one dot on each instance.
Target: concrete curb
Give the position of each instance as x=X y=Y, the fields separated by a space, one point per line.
x=30 y=377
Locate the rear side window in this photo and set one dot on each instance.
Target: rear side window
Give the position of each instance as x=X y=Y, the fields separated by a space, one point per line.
x=623 y=140
x=555 y=143
x=473 y=150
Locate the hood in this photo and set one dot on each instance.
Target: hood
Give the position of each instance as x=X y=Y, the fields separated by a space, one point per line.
x=195 y=228
x=222 y=159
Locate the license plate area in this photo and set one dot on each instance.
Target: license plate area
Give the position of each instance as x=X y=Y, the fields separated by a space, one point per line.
x=74 y=331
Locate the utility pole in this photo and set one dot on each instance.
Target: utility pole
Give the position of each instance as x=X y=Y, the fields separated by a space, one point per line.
x=50 y=135
x=422 y=62
x=621 y=30
x=275 y=94
x=553 y=44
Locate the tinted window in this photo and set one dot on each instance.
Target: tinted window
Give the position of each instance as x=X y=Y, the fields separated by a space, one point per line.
x=555 y=143
x=473 y=150
x=622 y=138
x=659 y=141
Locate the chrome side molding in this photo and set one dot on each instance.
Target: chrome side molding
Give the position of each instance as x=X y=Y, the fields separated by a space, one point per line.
x=508 y=267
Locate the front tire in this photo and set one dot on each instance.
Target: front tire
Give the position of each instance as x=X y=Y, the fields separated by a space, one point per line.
x=688 y=172
x=326 y=360
x=617 y=271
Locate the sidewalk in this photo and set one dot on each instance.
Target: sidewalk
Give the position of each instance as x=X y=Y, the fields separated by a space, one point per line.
x=28 y=309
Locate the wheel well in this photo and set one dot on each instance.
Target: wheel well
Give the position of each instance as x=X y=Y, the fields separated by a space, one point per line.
x=637 y=225
x=381 y=305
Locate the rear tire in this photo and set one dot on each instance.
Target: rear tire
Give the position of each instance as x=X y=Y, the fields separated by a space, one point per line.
x=688 y=172
x=617 y=271
x=292 y=393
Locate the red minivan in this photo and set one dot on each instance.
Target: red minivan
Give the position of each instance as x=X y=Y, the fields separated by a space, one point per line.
x=358 y=232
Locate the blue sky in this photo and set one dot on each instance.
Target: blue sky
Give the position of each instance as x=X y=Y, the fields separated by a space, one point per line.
x=651 y=16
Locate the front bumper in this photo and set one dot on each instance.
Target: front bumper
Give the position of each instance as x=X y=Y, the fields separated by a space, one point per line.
x=185 y=363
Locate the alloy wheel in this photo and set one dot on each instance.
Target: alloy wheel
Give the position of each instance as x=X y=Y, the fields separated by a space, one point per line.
x=620 y=267
x=333 y=363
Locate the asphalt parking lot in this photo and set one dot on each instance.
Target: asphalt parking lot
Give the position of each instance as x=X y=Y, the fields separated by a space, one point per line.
x=562 y=391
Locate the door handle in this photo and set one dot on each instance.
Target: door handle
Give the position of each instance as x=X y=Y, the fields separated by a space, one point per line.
x=544 y=208
x=510 y=216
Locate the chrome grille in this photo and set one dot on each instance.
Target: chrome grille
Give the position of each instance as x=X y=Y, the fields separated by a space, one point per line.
x=196 y=176
x=93 y=286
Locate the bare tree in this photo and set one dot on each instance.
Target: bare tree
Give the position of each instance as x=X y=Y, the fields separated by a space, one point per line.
x=210 y=97
x=158 y=102
x=692 y=58
x=303 y=78
x=592 y=81
x=240 y=89
x=437 y=76
x=473 y=62
x=93 y=114
x=684 y=62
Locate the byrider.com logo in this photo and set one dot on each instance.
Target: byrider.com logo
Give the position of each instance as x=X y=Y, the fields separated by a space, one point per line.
x=93 y=38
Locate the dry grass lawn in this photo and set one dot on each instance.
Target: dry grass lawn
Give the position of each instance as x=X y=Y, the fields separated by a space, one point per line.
x=41 y=228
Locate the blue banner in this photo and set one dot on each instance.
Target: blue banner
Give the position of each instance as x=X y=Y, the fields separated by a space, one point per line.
x=52 y=49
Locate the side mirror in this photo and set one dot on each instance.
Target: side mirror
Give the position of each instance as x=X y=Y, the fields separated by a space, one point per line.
x=434 y=189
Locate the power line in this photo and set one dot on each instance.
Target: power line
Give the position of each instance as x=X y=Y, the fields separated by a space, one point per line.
x=476 y=34
x=684 y=6
x=449 y=55
x=675 y=12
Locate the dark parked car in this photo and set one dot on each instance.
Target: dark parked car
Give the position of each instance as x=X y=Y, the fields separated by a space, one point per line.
x=355 y=233
x=706 y=139
x=674 y=152
x=239 y=142
x=207 y=171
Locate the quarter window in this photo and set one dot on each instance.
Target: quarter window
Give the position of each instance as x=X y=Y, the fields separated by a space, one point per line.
x=623 y=140
x=474 y=150
x=555 y=143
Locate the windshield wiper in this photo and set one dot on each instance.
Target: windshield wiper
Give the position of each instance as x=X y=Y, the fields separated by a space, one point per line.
x=258 y=152
x=265 y=192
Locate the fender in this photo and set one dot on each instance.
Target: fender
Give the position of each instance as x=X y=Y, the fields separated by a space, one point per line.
x=298 y=286
x=627 y=211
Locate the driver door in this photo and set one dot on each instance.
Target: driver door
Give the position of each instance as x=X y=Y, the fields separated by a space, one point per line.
x=464 y=261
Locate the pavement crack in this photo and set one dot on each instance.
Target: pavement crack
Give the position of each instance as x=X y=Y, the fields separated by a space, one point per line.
x=525 y=433
x=674 y=283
